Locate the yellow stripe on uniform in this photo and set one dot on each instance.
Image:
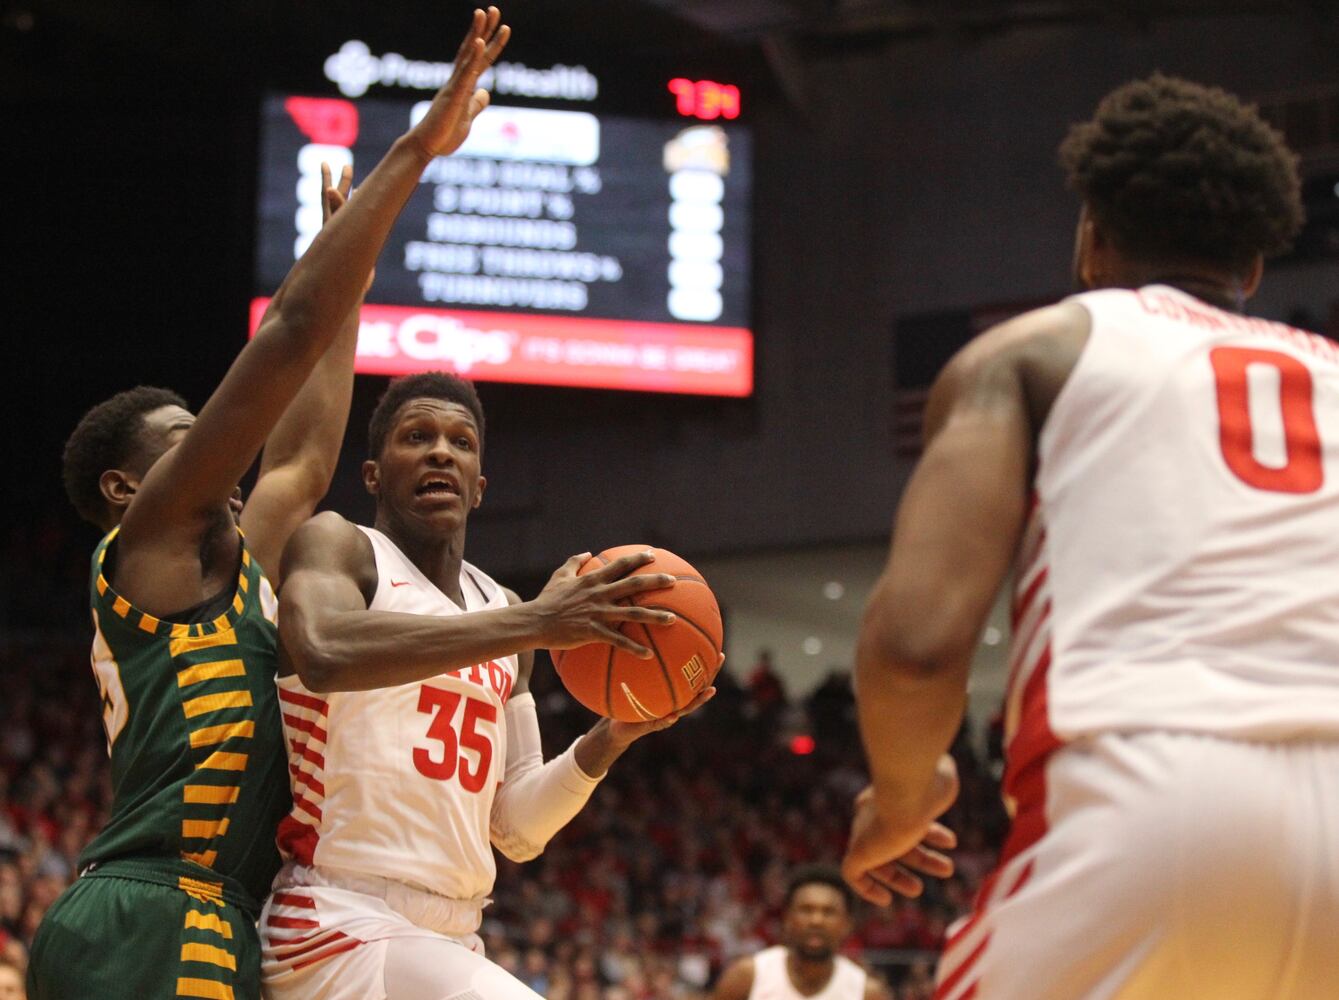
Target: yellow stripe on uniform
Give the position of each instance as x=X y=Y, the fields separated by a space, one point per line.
x=212 y=795
x=203 y=829
x=186 y=643
x=215 y=702
x=237 y=604
x=121 y=606
x=212 y=735
x=208 y=922
x=148 y=623
x=207 y=989
x=102 y=583
x=180 y=631
x=221 y=761
x=244 y=582
x=209 y=671
x=205 y=892
x=192 y=951
x=246 y=557
x=204 y=859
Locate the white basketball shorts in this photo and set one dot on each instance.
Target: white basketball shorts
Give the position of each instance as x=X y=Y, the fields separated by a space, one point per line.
x=339 y=936
x=1170 y=867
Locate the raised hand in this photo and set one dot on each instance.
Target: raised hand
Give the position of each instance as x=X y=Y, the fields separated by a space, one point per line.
x=447 y=124
x=888 y=847
x=333 y=198
x=576 y=610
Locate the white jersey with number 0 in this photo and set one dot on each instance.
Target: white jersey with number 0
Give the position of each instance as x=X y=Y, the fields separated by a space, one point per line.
x=1180 y=570
x=399 y=782
x=771 y=981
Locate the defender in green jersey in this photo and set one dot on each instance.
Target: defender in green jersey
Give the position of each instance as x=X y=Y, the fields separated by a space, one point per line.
x=184 y=645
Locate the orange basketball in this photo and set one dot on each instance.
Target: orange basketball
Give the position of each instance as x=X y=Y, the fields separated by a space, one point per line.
x=616 y=684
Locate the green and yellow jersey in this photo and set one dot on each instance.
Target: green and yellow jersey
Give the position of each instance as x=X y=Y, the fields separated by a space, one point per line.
x=199 y=774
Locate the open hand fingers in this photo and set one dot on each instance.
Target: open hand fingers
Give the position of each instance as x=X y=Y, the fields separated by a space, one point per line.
x=895 y=878
x=620 y=567
x=345 y=182
x=927 y=862
x=633 y=613
x=630 y=586
x=617 y=639
x=868 y=888
x=940 y=836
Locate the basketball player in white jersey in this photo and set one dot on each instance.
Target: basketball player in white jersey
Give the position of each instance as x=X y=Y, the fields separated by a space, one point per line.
x=1162 y=473
x=815 y=921
x=414 y=743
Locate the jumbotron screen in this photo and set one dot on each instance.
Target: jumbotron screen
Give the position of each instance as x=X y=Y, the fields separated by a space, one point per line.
x=555 y=247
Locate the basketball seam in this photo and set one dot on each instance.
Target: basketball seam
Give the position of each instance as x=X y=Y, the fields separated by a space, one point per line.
x=664 y=670
x=609 y=682
x=692 y=579
x=680 y=615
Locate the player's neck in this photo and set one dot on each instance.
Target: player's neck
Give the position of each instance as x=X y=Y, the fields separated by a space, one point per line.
x=1214 y=286
x=809 y=976
x=437 y=558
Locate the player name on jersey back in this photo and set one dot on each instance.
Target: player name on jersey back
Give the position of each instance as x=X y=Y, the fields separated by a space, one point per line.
x=1178 y=570
x=399 y=782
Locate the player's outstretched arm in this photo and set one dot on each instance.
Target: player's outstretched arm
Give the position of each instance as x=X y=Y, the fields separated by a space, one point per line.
x=334 y=643
x=302 y=451
x=956 y=531
x=186 y=488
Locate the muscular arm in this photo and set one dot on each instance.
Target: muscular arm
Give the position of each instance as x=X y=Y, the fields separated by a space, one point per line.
x=955 y=534
x=736 y=982
x=334 y=643
x=158 y=546
x=302 y=451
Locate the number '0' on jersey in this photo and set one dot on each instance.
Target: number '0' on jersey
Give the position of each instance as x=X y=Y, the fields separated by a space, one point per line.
x=1180 y=569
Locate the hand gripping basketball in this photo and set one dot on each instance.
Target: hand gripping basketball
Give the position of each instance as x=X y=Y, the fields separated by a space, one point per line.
x=581 y=609
x=679 y=626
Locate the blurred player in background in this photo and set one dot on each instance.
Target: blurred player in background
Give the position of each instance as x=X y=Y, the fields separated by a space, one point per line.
x=815 y=921
x=404 y=686
x=185 y=642
x=1163 y=474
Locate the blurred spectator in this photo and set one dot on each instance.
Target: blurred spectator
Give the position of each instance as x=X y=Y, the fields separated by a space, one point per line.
x=11 y=980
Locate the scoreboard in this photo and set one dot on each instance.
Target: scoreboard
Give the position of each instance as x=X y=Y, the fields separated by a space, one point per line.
x=556 y=247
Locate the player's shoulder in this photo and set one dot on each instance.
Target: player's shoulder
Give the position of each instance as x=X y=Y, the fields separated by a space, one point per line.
x=1050 y=330
x=328 y=540
x=736 y=982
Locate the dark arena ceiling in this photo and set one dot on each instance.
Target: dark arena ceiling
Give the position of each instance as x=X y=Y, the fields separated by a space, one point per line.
x=54 y=48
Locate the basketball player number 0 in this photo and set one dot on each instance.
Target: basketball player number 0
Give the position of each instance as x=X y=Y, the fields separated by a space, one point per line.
x=1302 y=471
x=442 y=705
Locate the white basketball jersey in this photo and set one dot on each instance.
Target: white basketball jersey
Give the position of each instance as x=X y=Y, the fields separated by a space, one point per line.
x=1180 y=570
x=771 y=981
x=398 y=782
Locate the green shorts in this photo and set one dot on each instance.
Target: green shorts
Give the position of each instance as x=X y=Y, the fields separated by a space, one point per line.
x=111 y=937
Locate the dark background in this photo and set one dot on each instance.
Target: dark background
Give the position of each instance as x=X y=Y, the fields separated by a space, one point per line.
x=905 y=178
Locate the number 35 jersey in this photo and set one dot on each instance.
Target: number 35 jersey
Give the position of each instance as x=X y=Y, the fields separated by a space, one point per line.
x=398 y=782
x=1180 y=569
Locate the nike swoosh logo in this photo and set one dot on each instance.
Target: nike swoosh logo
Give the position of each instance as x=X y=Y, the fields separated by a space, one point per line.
x=400 y=583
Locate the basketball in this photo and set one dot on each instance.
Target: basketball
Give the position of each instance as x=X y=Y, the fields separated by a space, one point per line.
x=686 y=654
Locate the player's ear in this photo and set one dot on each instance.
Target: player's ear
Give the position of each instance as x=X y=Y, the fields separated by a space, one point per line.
x=371 y=477
x=1250 y=282
x=479 y=491
x=118 y=488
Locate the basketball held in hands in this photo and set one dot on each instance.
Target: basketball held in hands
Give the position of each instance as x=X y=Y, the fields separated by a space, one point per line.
x=685 y=654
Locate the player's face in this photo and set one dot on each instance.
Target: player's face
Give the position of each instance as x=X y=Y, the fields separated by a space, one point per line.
x=11 y=984
x=816 y=922
x=429 y=468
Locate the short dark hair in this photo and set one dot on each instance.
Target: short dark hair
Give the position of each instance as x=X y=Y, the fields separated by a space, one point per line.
x=818 y=875
x=1174 y=170
x=106 y=438
x=432 y=385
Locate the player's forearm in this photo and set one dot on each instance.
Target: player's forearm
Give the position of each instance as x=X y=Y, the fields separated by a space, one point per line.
x=363 y=650
x=909 y=712
x=327 y=281
x=309 y=434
